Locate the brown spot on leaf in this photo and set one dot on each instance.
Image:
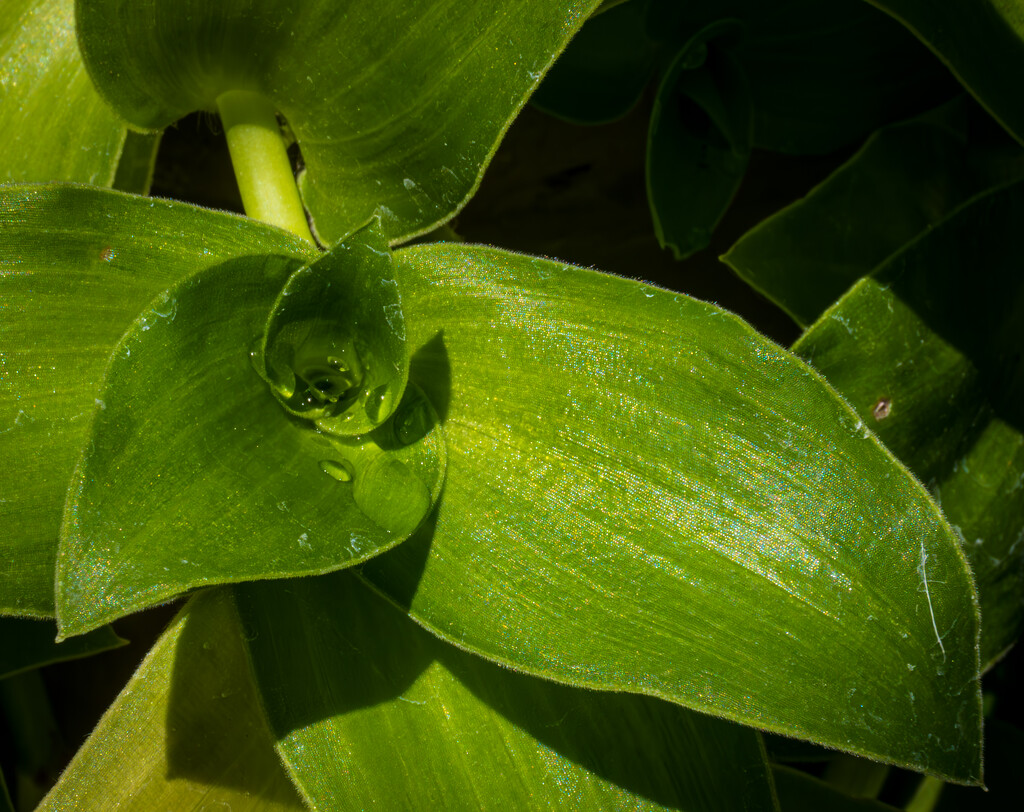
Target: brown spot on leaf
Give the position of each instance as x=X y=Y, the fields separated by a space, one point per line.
x=882 y=409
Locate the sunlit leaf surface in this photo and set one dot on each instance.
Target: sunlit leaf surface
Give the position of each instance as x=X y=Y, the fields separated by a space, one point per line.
x=77 y=266
x=186 y=733
x=644 y=494
x=928 y=350
x=397 y=105
x=349 y=682
x=47 y=98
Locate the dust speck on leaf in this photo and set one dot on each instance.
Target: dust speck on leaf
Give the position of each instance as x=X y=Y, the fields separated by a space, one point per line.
x=882 y=409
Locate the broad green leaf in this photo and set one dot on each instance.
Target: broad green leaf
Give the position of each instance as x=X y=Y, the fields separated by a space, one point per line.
x=195 y=474
x=348 y=681
x=28 y=643
x=89 y=261
x=904 y=180
x=398 y=104
x=603 y=71
x=928 y=350
x=699 y=140
x=800 y=792
x=186 y=733
x=983 y=44
x=55 y=125
x=643 y=494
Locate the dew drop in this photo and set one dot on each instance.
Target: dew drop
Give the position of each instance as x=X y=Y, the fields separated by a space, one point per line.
x=340 y=470
x=412 y=421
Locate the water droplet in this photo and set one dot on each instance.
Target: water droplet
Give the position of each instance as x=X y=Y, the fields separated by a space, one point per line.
x=882 y=409
x=340 y=470
x=392 y=496
x=107 y=254
x=412 y=421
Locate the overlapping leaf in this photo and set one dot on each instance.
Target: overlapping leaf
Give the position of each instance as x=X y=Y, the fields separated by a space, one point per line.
x=983 y=44
x=396 y=105
x=700 y=139
x=29 y=643
x=77 y=266
x=928 y=350
x=904 y=180
x=186 y=733
x=643 y=494
x=195 y=473
x=471 y=733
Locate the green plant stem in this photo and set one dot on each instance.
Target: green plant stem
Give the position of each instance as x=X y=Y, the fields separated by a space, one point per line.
x=927 y=795
x=260 y=160
x=856 y=776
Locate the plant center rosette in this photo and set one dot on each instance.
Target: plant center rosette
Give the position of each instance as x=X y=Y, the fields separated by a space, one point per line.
x=261 y=416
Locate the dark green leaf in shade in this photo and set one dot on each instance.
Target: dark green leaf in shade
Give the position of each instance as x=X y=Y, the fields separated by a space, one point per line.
x=334 y=347
x=396 y=105
x=55 y=125
x=699 y=139
x=77 y=265
x=800 y=792
x=195 y=474
x=905 y=179
x=348 y=681
x=928 y=350
x=983 y=44
x=603 y=71
x=186 y=733
x=643 y=494
x=29 y=643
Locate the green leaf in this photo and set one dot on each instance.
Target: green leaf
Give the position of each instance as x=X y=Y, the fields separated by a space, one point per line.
x=643 y=494
x=399 y=104
x=346 y=678
x=333 y=350
x=89 y=261
x=800 y=792
x=55 y=125
x=699 y=140
x=29 y=643
x=603 y=71
x=195 y=474
x=928 y=350
x=186 y=733
x=905 y=179
x=821 y=74
x=984 y=48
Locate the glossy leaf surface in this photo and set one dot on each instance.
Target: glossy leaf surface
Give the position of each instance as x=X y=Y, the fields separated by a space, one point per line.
x=348 y=681
x=28 y=643
x=195 y=474
x=705 y=521
x=186 y=733
x=983 y=45
x=928 y=349
x=89 y=261
x=39 y=63
x=699 y=140
x=398 y=104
